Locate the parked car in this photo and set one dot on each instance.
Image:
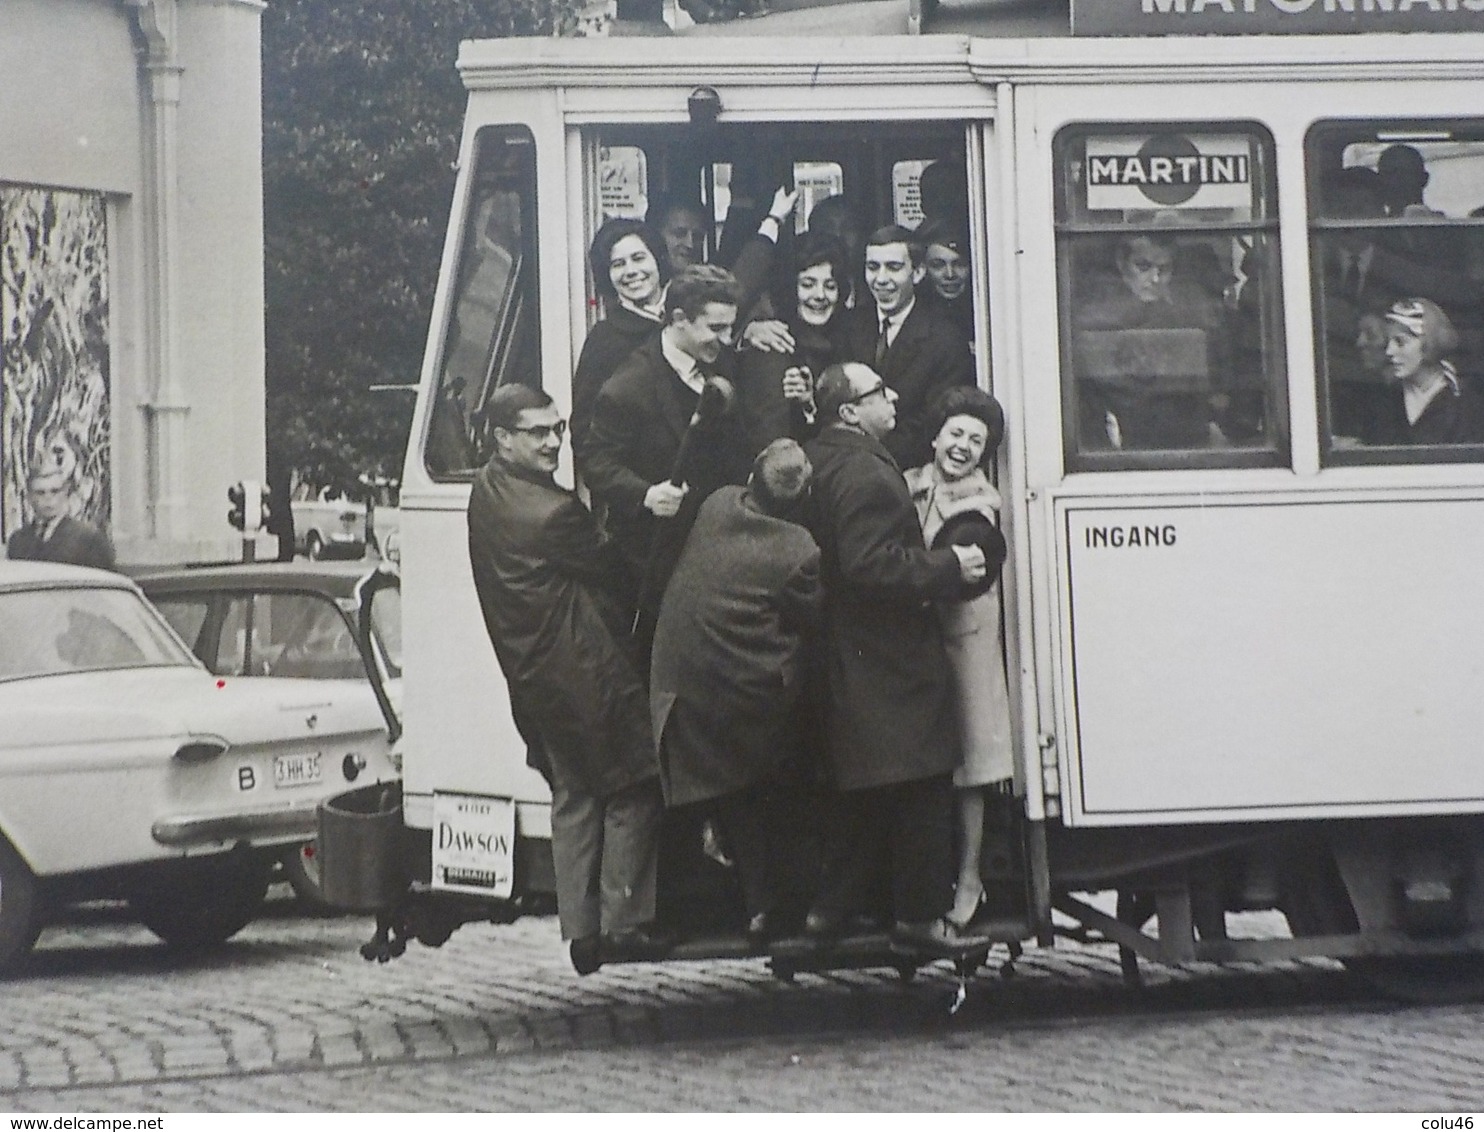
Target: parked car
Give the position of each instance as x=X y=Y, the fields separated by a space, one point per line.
x=329 y=528
x=298 y=619
x=129 y=770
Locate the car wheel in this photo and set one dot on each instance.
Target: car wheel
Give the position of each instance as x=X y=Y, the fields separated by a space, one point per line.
x=207 y=904
x=19 y=923
x=314 y=548
x=301 y=870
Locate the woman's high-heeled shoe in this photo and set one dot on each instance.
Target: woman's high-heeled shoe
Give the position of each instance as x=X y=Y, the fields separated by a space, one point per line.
x=963 y=924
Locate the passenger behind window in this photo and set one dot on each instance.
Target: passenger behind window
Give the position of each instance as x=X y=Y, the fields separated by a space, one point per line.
x=1427 y=403
x=1355 y=298
x=1152 y=353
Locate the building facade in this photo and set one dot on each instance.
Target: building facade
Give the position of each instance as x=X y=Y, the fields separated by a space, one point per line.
x=131 y=265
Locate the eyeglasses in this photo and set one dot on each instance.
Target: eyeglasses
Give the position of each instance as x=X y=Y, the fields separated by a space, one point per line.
x=879 y=387
x=541 y=432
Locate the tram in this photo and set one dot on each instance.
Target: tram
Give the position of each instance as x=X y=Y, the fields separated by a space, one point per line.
x=1245 y=664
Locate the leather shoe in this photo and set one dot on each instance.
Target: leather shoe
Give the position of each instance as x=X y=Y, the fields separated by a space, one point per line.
x=587 y=954
x=635 y=945
x=938 y=937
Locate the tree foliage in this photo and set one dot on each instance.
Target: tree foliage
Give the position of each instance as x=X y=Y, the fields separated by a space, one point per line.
x=362 y=108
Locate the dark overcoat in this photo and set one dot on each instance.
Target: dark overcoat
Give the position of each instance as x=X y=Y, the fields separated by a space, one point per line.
x=768 y=414
x=609 y=344
x=731 y=645
x=639 y=420
x=891 y=715
x=929 y=355
x=74 y=541
x=544 y=578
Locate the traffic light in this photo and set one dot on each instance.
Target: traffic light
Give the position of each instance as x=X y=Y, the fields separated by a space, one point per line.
x=246 y=512
x=266 y=521
x=237 y=513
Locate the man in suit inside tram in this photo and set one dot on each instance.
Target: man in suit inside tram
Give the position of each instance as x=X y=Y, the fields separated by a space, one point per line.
x=916 y=349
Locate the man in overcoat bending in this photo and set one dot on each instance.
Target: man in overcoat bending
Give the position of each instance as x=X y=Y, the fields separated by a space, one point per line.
x=551 y=592
x=891 y=726
x=729 y=675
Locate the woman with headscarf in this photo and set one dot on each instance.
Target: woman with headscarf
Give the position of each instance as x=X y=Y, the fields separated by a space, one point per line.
x=776 y=390
x=630 y=270
x=956 y=503
x=1428 y=404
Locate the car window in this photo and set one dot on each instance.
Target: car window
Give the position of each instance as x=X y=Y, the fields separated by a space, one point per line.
x=186 y=617
x=49 y=632
x=386 y=624
x=234 y=654
x=304 y=635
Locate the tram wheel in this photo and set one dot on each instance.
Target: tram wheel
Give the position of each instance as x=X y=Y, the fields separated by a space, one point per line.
x=1424 y=979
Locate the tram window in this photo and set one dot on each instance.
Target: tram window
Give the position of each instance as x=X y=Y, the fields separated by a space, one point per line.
x=1170 y=304
x=492 y=334
x=1397 y=216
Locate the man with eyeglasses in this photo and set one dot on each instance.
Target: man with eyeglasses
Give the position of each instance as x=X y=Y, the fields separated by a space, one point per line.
x=891 y=724
x=552 y=595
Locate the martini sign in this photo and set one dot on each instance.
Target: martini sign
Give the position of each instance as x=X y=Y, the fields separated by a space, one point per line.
x=1170 y=171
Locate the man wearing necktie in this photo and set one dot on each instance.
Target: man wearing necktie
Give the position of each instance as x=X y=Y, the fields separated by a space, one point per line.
x=640 y=420
x=54 y=535
x=918 y=351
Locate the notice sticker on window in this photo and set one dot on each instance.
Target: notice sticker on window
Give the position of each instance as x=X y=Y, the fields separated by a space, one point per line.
x=474 y=844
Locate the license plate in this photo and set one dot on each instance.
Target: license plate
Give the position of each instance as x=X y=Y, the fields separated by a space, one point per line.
x=296 y=770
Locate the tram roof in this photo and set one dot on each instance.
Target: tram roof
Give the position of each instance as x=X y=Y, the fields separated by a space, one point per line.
x=1016 y=39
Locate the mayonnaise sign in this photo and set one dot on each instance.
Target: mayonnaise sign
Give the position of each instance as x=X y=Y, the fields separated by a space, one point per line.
x=1169 y=171
x=1269 y=17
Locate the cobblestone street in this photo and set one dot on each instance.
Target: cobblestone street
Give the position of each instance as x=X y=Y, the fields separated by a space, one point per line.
x=289 y=1017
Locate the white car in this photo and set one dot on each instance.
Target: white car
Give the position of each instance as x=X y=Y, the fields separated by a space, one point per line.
x=129 y=770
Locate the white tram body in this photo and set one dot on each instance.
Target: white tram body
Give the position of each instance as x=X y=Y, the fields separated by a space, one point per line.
x=1245 y=653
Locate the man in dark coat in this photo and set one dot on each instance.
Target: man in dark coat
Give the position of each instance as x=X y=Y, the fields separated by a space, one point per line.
x=636 y=445
x=891 y=724
x=54 y=535
x=911 y=344
x=544 y=578
x=729 y=672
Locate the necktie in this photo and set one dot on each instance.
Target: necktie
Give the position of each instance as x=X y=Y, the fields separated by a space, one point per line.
x=882 y=342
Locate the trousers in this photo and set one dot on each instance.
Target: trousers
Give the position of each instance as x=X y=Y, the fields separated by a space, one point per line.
x=605 y=851
x=893 y=841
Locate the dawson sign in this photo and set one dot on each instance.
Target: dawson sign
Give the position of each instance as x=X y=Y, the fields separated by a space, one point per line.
x=1293 y=17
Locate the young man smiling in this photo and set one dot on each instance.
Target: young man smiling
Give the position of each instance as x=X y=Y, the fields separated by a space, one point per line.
x=914 y=347
x=640 y=421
